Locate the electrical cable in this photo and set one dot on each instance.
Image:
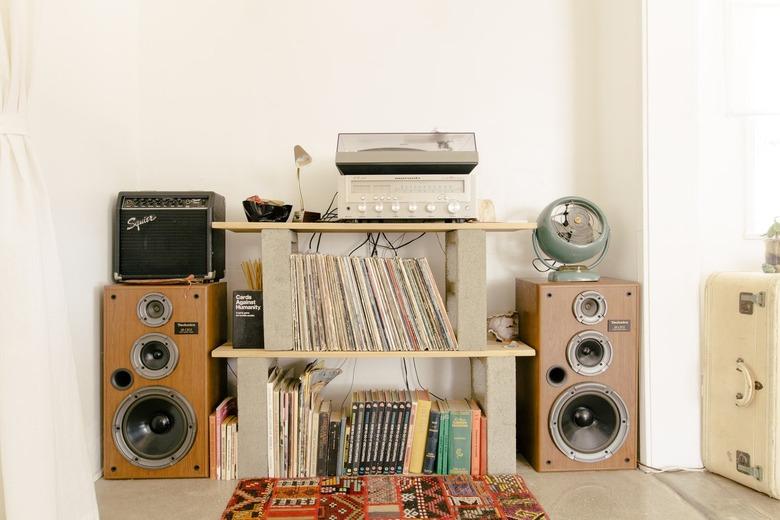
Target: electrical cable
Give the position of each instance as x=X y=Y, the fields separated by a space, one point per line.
x=674 y=469
x=328 y=216
x=542 y=269
x=405 y=374
x=368 y=237
x=414 y=363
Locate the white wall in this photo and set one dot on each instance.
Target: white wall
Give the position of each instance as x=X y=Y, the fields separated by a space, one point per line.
x=694 y=175
x=84 y=130
x=227 y=89
x=160 y=94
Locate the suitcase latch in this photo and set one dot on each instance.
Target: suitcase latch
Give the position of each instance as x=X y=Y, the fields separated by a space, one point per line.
x=743 y=466
x=747 y=300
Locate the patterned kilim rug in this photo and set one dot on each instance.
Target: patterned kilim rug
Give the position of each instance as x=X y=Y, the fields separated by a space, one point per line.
x=352 y=498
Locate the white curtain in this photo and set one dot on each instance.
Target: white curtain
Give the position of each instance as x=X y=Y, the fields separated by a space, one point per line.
x=44 y=469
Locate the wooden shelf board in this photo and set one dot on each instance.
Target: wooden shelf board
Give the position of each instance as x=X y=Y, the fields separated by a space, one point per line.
x=368 y=227
x=492 y=349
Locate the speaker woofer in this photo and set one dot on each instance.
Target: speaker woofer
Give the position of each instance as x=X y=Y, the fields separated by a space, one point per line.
x=589 y=422
x=589 y=307
x=154 y=309
x=154 y=427
x=154 y=356
x=589 y=353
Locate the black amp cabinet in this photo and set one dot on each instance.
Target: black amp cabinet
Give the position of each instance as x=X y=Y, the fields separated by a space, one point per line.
x=168 y=234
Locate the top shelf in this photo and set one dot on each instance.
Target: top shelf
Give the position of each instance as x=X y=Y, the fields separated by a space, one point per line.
x=368 y=227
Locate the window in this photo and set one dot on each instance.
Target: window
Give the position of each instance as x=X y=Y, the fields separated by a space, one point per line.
x=752 y=59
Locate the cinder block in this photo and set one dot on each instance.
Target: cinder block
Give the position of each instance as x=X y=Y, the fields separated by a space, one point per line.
x=466 y=292
x=277 y=288
x=493 y=386
x=252 y=416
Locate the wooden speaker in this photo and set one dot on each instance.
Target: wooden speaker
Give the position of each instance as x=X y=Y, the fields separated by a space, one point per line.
x=577 y=398
x=160 y=382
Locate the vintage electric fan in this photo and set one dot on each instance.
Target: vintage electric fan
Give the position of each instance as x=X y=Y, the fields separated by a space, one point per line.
x=570 y=231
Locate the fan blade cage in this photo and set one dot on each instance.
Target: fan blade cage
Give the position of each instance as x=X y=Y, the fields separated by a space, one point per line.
x=576 y=223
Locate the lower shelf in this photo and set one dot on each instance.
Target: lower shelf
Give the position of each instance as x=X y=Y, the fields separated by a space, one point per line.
x=492 y=349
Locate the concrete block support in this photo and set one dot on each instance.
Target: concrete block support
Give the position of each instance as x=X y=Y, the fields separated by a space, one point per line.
x=493 y=386
x=466 y=292
x=277 y=289
x=253 y=417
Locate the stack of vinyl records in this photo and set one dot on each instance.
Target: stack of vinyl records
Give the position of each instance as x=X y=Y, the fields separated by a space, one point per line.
x=367 y=304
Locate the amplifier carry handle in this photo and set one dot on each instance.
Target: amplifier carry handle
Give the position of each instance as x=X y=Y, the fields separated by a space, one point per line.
x=745 y=397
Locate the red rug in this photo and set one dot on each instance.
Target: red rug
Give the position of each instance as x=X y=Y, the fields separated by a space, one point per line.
x=352 y=498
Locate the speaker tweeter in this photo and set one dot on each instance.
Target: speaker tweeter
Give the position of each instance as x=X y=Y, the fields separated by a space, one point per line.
x=154 y=310
x=590 y=307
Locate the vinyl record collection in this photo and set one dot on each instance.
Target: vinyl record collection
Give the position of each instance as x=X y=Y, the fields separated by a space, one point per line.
x=367 y=304
x=381 y=432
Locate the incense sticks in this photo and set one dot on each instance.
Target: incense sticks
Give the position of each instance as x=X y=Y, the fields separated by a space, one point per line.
x=253 y=274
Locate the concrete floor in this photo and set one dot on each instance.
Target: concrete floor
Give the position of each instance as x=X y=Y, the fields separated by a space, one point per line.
x=602 y=495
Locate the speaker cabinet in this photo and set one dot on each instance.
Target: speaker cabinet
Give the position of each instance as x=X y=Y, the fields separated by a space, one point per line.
x=577 y=398
x=160 y=382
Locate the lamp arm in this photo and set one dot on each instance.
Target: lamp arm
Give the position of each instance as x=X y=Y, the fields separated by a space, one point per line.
x=300 y=190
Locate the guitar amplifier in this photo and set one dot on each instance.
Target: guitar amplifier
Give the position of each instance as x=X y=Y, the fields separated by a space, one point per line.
x=167 y=234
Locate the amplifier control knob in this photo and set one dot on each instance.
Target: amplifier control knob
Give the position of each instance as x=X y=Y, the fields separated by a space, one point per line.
x=395 y=207
x=430 y=208
x=361 y=207
x=453 y=207
x=412 y=207
x=379 y=207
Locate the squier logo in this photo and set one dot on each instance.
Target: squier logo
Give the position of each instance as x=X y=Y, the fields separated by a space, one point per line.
x=138 y=222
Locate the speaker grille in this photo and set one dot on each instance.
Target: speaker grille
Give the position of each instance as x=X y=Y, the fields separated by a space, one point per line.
x=173 y=244
x=154 y=427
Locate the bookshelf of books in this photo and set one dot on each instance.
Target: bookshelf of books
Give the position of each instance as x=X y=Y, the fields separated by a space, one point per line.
x=492 y=364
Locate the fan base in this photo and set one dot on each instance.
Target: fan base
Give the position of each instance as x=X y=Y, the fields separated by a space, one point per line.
x=573 y=274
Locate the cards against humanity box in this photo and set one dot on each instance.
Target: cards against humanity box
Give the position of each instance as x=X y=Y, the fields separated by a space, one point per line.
x=248 y=319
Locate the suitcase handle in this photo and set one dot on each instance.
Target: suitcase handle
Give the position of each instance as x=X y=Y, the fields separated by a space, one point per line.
x=746 y=397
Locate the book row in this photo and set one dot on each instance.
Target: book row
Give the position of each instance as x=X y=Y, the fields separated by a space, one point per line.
x=380 y=432
x=367 y=304
x=223 y=441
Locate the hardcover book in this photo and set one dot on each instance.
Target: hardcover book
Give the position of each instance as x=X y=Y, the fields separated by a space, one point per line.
x=432 y=443
x=323 y=430
x=420 y=431
x=460 y=437
x=444 y=431
x=476 y=411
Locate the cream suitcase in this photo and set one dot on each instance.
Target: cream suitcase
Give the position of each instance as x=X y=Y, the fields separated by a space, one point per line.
x=740 y=371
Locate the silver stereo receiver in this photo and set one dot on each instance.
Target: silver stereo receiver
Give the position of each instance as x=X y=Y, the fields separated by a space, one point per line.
x=407 y=176
x=390 y=197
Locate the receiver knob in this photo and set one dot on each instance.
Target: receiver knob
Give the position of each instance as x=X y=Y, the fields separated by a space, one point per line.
x=430 y=208
x=379 y=207
x=453 y=207
x=412 y=207
x=395 y=207
x=361 y=207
